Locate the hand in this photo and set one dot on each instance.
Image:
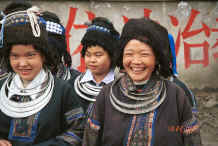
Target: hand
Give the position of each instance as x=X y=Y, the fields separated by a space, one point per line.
x=5 y=143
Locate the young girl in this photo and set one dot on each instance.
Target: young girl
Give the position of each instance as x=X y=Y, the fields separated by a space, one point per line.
x=99 y=46
x=36 y=108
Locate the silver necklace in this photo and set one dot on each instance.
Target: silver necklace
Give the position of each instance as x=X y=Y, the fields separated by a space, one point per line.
x=140 y=107
x=84 y=90
x=25 y=109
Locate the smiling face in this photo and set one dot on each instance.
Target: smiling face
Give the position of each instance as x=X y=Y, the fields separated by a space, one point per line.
x=97 y=60
x=25 y=61
x=138 y=60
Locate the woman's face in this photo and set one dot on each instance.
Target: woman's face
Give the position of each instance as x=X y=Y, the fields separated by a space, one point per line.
x=97 y=60
x=25 y=61
x=138 y=60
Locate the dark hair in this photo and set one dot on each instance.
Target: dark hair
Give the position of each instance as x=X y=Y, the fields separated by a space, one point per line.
x=153 y=34
x=18 y=5
x=101 y=32
x=21 y=33
x=58 y=41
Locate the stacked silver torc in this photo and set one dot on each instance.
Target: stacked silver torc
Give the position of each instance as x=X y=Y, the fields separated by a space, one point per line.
x=85 y=90
x=25 y=109
x=138 y=103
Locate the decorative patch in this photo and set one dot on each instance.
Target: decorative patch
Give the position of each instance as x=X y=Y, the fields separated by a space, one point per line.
x=141 y=130
x=24 y=129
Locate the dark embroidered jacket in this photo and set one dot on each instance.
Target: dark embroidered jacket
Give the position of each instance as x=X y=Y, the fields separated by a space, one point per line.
x=58 y=122
x=171 y=124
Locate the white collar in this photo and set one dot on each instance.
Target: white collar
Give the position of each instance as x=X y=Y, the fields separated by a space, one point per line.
x=89 y=77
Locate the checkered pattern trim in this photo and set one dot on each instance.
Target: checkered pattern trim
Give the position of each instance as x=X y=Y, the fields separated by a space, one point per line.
x=98 y=28
x=54 y=28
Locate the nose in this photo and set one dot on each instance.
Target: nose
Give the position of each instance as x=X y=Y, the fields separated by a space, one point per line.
x=93 y=59
x=22 y=62
x=136 y=60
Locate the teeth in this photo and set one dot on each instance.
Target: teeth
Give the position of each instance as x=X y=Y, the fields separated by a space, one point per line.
x=137 y=69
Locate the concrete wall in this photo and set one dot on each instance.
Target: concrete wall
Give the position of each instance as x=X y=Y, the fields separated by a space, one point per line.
x=194 y=27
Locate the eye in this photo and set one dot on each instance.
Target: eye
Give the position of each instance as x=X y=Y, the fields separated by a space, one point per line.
x=30 y=55
x=98 y=54
x=145 y=54
x=13 y=56
x=128 y=54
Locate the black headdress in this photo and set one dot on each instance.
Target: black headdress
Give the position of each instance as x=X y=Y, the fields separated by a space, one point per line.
x=18 y=5
x=101 y=32
x=25 y=27
x=153 y=34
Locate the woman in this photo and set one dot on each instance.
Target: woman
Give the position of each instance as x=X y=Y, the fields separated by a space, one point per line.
x=142 y=107
x=57 y=40
x=36 y=108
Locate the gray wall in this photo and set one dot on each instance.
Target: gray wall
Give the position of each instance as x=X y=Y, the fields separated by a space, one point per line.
x=194 y=27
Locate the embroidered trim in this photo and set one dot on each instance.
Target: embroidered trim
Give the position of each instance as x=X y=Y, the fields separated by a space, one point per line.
x=55 y=28
x=101 y=29
x=141 y=130
x=190 y=126
x=94 y=124
x=31 y=16
x=74 y=114
x=131 y=129
x=70 y=137
x=90 y=109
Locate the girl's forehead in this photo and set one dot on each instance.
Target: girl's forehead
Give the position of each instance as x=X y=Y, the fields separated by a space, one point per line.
x=22 y=48
x=95 y=49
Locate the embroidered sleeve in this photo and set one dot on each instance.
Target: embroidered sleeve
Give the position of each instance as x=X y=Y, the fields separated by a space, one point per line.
x=74 y=119
x=190 y=124
x=93 y=129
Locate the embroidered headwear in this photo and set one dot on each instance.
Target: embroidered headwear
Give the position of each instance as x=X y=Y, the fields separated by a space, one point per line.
x=153 y=34
x=101 y=32
x=28 y=28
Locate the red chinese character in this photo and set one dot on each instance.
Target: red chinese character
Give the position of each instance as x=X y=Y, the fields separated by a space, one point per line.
x=215 y=55
x=147 y=13
x=187 y=54
x=215 y=29
x=187 y=32
x=70 y=24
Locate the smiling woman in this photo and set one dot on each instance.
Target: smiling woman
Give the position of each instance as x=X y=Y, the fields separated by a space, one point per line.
x=142 y=106
x=36 y=108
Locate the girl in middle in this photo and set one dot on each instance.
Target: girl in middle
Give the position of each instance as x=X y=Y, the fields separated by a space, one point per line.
x=99 y=46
